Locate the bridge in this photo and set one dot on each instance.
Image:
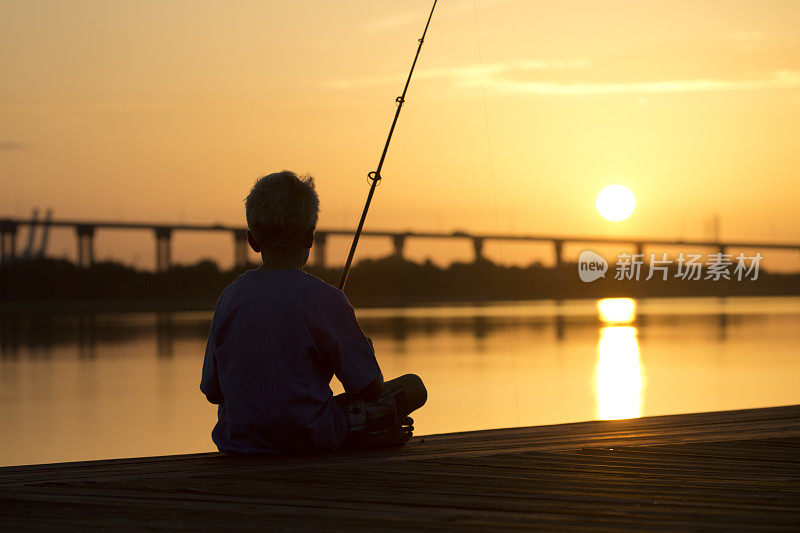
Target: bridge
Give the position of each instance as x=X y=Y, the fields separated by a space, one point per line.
x=85 y=231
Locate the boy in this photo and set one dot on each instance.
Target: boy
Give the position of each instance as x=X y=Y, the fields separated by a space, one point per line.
x=279 y=335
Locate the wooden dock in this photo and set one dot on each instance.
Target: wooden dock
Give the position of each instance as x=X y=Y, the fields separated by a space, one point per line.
x=727 y=470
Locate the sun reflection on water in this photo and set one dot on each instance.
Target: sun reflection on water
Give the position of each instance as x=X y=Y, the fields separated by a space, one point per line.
x=619 y=374
x=617 y=310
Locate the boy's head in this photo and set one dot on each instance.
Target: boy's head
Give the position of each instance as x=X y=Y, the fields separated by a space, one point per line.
x=282 y=211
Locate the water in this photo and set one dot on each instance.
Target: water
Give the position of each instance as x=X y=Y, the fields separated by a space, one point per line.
x=125 y=385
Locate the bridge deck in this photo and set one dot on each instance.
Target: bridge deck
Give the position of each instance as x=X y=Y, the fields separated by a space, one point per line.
x=738 y=469
x=11 y=224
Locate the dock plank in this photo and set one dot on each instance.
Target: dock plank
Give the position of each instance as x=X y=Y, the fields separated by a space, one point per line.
x=724 y=470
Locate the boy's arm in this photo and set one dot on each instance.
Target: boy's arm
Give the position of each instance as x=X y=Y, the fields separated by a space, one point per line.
x=354 y=358
x=209 y=384
x=373 y=391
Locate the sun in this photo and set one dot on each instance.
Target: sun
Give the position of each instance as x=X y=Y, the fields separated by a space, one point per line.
x=615 y=203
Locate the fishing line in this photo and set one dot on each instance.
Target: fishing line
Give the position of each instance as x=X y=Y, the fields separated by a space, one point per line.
x=496 y=210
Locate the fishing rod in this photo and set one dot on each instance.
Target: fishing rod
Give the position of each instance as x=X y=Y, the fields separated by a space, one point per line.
x=375 y=176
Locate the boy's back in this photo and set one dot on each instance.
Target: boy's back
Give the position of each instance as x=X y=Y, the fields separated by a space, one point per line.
x=277 y=338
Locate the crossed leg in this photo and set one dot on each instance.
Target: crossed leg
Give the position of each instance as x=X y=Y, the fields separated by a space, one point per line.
x=384 y=422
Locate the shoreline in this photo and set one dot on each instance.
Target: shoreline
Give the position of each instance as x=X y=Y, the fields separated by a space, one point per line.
x=205 y=305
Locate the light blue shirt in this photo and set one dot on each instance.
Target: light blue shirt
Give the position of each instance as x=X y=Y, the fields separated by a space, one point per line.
x=277 y=338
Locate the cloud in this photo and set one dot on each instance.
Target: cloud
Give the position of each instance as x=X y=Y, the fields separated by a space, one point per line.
x=8 y=146
x=514 y=77
x=96 y=106
x=465 y=75
x=782 y=79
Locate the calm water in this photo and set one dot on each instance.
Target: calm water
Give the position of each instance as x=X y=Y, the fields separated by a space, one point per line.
x=111 y=385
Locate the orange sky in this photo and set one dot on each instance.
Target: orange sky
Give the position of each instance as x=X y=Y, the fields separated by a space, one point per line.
x=168 y=111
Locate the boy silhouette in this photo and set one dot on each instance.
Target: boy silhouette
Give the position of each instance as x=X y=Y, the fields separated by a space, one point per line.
x=279 y=335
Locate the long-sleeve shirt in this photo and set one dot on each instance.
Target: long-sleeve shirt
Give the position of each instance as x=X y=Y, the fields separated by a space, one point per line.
x=277 y=338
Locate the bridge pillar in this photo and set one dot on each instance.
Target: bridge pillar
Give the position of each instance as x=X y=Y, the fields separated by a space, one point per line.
x=85 y=234
x=319 y=249
x=558 y=279
x=240 y=248
x=40 y=253
x=558 y=249
x=477 y=245
x=8 y=241
x=163 y=249
x=640 y=249
x=723 y=288
x=399 y=241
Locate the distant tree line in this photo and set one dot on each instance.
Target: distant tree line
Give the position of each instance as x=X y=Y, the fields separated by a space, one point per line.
x=386 y=281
